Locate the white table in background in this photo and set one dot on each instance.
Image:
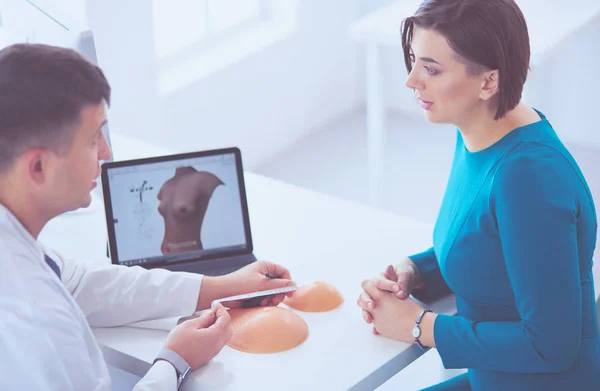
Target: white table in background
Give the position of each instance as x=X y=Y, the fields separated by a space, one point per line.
x=318 y=238
x=550 y=22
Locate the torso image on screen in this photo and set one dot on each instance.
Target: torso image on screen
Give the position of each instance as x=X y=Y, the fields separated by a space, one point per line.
x=169 y=209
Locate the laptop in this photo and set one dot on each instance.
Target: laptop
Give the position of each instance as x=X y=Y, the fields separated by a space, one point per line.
x=184 y=212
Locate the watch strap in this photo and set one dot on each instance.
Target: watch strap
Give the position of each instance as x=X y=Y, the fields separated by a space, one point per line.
x=181 y=366
x=418 y=323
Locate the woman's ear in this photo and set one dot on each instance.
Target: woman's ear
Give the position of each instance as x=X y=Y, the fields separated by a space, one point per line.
x=490 y=85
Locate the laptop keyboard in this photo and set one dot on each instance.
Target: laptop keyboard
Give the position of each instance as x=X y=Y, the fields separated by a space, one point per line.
x=221 y=271
x=216 y=267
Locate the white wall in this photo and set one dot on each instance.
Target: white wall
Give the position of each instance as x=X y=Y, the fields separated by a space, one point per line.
x=261 y=104
x=568 y=86
x=22 y=22
x=397 y=97
x=280 y=94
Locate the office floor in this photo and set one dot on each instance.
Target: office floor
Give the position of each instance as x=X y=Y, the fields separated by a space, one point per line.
x=418 y=157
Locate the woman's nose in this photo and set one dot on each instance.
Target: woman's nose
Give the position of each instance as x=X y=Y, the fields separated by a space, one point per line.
x=412 y=81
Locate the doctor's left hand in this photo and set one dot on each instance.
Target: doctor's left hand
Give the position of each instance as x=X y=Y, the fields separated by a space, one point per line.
x=198 y=340
x=259 y=276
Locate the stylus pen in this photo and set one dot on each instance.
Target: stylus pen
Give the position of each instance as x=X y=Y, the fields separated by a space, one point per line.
x=255 y=302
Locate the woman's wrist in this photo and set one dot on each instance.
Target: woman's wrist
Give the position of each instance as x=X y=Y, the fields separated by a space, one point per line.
x=427 y=337
x=418 y=279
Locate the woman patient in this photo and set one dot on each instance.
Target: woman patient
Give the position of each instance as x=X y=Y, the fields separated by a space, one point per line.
x=516 y=231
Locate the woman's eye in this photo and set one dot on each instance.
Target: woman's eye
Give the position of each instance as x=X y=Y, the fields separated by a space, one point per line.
x=431 y=71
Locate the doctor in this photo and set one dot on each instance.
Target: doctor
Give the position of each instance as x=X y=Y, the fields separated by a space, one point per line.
x=52 y=110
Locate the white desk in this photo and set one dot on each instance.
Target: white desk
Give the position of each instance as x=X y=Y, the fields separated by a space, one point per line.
x=318 y=238
x=550 y=22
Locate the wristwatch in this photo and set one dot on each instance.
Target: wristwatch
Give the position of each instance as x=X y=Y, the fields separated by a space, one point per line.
x=181 y=366
x=416 y=331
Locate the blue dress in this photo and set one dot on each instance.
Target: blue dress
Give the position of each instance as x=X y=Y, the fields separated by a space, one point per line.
x=514 y=241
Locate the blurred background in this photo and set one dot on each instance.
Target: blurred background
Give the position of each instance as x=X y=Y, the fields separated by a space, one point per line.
x=311 y=91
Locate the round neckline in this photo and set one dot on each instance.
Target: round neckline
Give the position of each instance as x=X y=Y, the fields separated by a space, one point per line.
x=506 y=138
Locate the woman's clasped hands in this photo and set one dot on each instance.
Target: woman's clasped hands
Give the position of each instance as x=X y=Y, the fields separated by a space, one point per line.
x=386 y=302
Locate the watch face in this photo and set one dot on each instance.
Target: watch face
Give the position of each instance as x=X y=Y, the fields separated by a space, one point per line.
x=416 y=332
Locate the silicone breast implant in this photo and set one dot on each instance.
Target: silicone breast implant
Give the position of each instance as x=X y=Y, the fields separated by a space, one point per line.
x=315 y=297
x=266 y=329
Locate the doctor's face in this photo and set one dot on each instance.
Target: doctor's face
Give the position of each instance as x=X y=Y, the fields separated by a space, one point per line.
x=445 y=89
x=75 y=174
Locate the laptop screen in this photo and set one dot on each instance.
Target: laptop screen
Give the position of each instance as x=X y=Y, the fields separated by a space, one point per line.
x=177 y=208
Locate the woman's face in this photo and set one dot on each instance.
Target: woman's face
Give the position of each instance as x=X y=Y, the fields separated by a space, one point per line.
x=445 y=90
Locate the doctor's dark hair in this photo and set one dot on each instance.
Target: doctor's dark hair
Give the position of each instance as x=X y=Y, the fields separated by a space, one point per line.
x=43 y=90
x=485 y=34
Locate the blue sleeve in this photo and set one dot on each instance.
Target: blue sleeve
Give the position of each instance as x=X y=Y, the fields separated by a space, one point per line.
x=536 y=216
x=434 y=285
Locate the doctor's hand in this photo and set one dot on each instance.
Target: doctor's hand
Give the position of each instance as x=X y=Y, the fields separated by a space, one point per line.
x=258 y=276
x=199 y=339
x=392 y=317
x=399 y=280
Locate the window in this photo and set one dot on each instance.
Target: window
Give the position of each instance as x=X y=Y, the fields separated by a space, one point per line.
x=180 y=24
x=194 y=39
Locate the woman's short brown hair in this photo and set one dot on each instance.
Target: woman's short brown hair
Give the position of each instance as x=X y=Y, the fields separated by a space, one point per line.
x=43 y=90
x=488 y=34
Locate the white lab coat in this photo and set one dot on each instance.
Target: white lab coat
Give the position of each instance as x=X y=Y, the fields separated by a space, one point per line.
x=45 y=338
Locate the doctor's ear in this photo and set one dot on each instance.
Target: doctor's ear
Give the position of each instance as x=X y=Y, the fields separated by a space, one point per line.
x=490 y=84
x=36 y=163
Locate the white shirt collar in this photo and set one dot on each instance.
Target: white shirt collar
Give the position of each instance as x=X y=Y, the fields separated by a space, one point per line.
x=14 y=231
